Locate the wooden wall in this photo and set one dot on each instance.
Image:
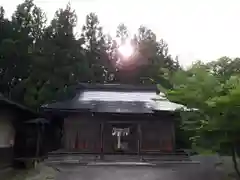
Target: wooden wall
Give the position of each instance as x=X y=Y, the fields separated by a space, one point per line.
x=80 y=134
x=83 y=134
x=157 y=136
x=7 y=136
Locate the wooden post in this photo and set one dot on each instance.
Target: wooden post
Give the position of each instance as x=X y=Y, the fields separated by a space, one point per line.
x=102 y=128
x=38 y=140
x=139 y=140
x=173 y=136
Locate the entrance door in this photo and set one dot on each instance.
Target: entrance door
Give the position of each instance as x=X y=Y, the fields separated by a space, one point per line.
x=120 y=138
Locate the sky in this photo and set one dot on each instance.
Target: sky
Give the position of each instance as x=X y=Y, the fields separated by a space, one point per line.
x=194 y=29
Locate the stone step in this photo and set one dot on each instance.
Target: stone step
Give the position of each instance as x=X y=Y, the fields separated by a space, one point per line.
x=116 y=158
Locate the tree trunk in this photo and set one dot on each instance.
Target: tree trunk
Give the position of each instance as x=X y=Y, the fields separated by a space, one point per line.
x=235 y=163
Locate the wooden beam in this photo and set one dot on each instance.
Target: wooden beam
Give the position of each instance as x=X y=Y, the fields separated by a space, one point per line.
x=123 y=122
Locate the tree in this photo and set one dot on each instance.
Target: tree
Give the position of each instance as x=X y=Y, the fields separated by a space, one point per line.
x=122 y=33
x=59 y=63
x=6 y=44
x=154 y=58
x=150 y=57
x=213 y=103
x=2 y=13
x=125 y=66
x=224 y=67
x=17 y=45
x=38 y=63
x=95 y=49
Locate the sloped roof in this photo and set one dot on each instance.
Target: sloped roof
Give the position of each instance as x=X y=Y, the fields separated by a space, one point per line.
x=115 y=99
x=5 y=101
x=116 y=87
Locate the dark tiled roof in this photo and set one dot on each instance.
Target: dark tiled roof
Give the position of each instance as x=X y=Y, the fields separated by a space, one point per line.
x=122 y=107
x=5 y=101
x=103 y=106
x=69 y=105
x=117 y=87
x=112 y=99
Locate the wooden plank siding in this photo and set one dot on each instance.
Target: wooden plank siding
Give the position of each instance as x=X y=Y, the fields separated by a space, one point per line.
x=7 y=136
x=157 y=136
x=83 y=134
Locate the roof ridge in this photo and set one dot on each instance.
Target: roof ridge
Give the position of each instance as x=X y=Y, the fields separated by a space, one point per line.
x=109 y=86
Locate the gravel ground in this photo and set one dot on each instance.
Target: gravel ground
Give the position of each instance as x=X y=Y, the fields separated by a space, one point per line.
x=163 y=172
x=202 y=171
x=77 y=172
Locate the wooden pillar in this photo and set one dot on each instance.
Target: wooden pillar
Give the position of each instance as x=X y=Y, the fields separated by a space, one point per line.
x=102 y=144
x=38 y=140
x=139 y=140
x=173 y=136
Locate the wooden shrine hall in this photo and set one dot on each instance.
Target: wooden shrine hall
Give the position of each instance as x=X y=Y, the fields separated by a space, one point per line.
x=115 y=119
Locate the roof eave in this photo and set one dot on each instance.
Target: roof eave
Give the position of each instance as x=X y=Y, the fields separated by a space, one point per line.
x=119 y=87
x=19 y=106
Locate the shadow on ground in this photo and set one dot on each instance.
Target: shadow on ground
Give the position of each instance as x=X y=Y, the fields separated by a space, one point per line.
x=163 y=172
x=205 y=170
x=42 y=172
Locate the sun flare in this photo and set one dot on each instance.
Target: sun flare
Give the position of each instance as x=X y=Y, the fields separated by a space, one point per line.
x=126 y=50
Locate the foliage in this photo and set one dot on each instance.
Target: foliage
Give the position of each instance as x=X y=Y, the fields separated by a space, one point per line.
x=211 y=92
x=39 y=62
